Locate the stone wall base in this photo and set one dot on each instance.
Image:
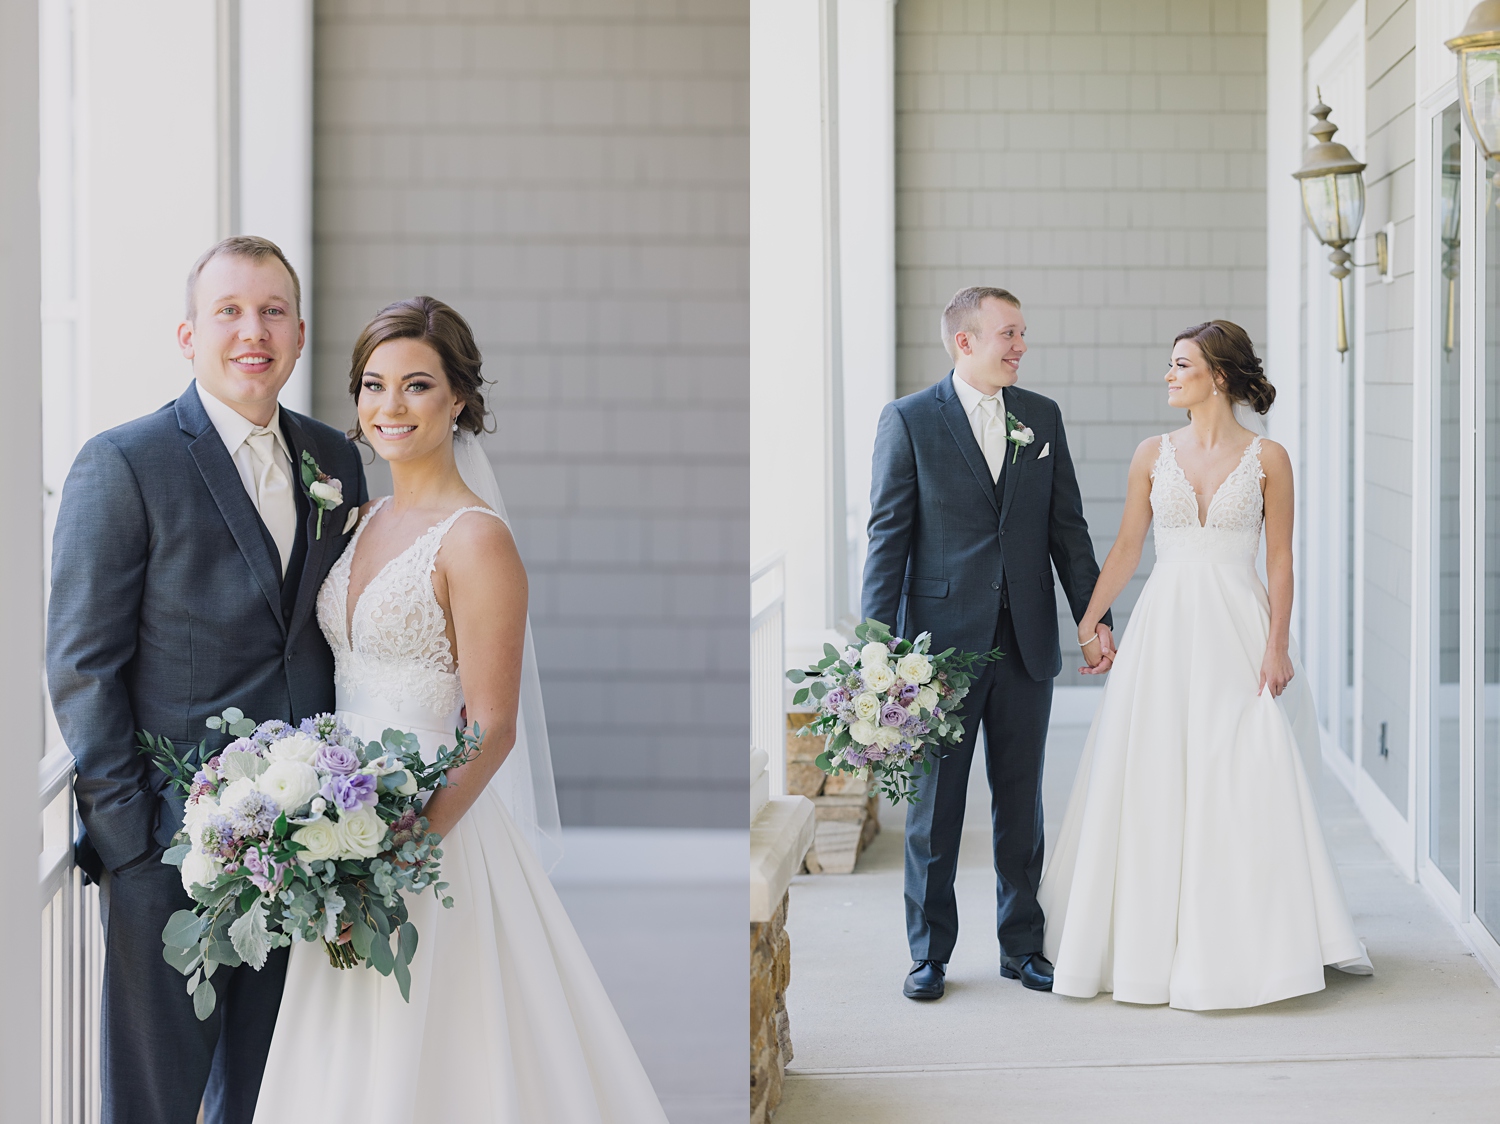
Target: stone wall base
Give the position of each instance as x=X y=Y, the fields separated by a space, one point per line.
x=770 y=1029
x=848 y=813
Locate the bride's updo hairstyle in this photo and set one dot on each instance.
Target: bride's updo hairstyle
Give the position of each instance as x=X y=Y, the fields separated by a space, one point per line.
x=1227 y=349
x=446 y=332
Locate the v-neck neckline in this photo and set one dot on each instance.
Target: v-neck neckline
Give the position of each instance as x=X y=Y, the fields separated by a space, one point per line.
x=1214 y=498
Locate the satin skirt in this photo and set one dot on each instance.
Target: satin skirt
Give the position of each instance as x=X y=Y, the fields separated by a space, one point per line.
x=1191 y=868
x=508 y=1021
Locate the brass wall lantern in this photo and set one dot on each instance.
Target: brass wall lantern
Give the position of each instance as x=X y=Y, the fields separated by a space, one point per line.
x=1478 y=49
x=1333 y=199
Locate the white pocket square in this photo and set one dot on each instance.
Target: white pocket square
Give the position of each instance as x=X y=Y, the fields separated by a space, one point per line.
x=1046 y=451
x=353 y=519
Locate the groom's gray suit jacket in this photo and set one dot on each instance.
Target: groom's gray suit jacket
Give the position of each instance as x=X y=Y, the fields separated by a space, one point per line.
x=168 y=605
x=943 y=544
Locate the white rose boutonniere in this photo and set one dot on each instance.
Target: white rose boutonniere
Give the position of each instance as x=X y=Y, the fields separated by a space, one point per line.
x=1018 y=434
x=326 y=492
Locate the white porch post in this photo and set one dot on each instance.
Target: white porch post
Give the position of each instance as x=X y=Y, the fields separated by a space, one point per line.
x=274 y=134
x=21 y=568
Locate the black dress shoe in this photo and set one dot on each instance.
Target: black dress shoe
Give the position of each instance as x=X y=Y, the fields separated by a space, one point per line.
x=925 y=980
x=1034 y=971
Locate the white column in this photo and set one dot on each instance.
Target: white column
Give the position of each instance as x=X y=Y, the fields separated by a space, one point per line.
x=1285 y=137
x=148 y=205
x=867 y=220
x=21 y=561
x=275 y=166
x=790 y=507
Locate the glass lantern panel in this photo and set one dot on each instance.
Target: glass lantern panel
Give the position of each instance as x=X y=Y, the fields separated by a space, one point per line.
x=1334 y=206
x=1479 y=82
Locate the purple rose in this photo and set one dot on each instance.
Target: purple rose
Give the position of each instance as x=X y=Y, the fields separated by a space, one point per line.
x=242 y=745
x=336 y=759
x=835 y=700
x=908 y=692
x=350 y=792
x=893 y=714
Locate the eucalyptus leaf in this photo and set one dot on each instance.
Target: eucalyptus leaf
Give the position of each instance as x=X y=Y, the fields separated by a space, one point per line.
x=381 y=958
x=222 y=952
x=403 y=977
x=800 y=697
x=204 y=1000
x=194 y=980
x=408 y=942
x=233 y=714
x=183 y=959
x=819 y=689
x=242 y=728
x=796 y=675
x=361 y=936
x=175 y=855
x=214 y=722
x=183 y=929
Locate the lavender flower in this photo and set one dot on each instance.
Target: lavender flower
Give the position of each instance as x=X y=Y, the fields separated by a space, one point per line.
x=257 y=813
x=336 y=759
x=268 y=732
x=325 y=727
x=350 y=792
x=219 y=837
x=893 y=714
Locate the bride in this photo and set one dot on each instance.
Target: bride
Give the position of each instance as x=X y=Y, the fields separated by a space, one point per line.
x=1190 y=868
x=426 y=615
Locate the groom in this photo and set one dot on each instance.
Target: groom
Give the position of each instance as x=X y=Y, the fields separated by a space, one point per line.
x=185 y=567
x=973 y=501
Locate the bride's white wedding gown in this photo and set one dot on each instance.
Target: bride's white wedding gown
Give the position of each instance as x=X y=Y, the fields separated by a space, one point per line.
x=1190 y=868
x=508 y=1021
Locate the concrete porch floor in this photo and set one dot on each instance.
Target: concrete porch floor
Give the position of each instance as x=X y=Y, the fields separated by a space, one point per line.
x=1420 y=1040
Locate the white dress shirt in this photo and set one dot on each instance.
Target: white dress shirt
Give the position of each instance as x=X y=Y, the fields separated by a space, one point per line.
x=970 y=397
x=234 y=430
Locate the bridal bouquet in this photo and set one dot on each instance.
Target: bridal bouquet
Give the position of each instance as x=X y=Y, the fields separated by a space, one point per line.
x=301 y=833
x=883 y=704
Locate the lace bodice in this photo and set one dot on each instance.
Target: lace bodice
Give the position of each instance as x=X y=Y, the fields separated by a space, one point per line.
x=1231 y=530
x=394 y=645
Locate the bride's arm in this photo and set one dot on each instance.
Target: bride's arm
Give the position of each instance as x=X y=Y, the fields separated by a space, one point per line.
x=482 y=585
x=1276 y=666
x=1125 y=555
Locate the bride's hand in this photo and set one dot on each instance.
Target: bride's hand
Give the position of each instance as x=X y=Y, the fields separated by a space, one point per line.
x=1096 y=652
x=1275 y=672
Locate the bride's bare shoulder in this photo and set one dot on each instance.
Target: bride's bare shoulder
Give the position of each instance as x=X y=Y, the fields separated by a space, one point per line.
x=1274 y=459
x=480 y=542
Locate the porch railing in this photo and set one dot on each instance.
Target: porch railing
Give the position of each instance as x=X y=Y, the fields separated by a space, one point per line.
x=72 y=957
x=767 y=667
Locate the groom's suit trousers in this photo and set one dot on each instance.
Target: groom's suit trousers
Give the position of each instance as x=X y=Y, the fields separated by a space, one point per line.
x=1013 y=709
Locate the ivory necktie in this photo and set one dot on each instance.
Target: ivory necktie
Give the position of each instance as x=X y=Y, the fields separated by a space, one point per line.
x=992 y=432
x=273 y=492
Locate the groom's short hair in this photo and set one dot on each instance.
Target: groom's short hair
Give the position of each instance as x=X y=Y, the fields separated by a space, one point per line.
x=250 y=246
x=963 y=310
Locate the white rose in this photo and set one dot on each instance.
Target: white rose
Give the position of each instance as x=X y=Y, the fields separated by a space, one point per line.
x=290 y=783
x=880 y=678
x=361 y=834
x=914 y=668
x=874 y=654
x=199 y=869
x=320 y=838
x=330 y=491
x=408 y=787
x=887 y=736
x=198 y=810
x=380 y=766
x=863 y=732
x=866 y=706
x=295 y=747
x=927 y=698
x=235 y=792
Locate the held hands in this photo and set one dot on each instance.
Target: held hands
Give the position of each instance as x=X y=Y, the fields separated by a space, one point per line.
x=1275 y=671
x=1098 y=647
